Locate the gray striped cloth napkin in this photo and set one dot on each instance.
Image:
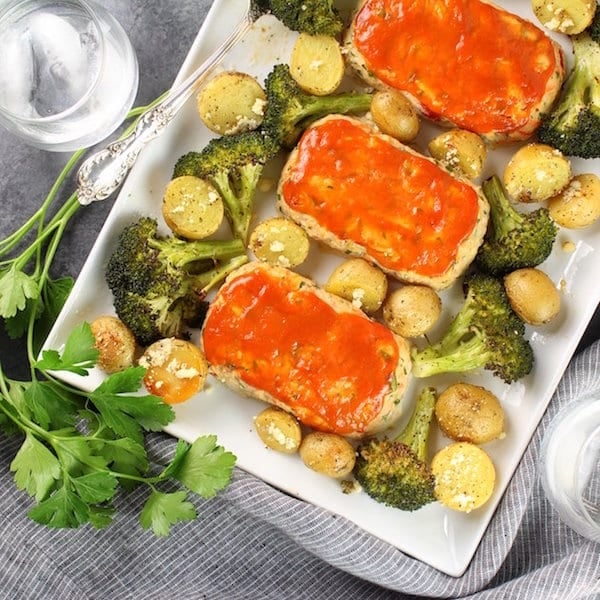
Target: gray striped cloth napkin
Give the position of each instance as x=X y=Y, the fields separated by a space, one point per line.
x=254 y=542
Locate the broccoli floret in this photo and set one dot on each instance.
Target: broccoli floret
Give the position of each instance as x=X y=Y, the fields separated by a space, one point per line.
x=573 y=126
x=513 y=240
x=395 y=471
x=159 y=283
x=233 y=164
x=315 y=17
x=290 y=110
x=593 y=29
x=485 y=333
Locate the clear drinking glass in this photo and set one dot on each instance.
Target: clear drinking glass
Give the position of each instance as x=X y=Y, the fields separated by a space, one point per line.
x=571 y=466
x=68 y=72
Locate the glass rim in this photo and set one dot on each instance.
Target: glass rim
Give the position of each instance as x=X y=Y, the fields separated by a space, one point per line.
x=10 y=7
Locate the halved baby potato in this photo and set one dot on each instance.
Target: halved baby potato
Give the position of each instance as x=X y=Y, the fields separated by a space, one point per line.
x=394 y=114
x=460 y=151
x=317 y=64
x=279 y=241
x=359 y=282
x=192 y=208
x=175 y=369
x=231 y=102
x=564 y=16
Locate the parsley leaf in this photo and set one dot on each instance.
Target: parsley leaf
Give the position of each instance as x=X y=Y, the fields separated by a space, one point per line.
x=78 y=356
x=16 y=287
x=63 y=509
x=206 y=468
x=97 y=487
x=162 y=510
x=49 y=406
x=36 y=468
x=126 y=415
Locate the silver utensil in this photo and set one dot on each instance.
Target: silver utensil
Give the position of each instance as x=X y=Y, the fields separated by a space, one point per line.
x=103 y=172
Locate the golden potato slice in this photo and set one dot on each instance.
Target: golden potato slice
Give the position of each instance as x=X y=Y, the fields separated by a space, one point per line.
x=192 y=208
x=231 y=102
x=317 y=64
x=465 y=476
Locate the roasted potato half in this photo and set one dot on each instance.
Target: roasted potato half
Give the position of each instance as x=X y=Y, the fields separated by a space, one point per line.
x=175 y=369
x=465 y=476
x=412 y=310
x=394 y=114
x=317 y=64
x=278 y=429
x=328 y=453
x=360 y=282
x=115 y=343
x=279 y=241
x=564 y=16
x=536 y=172
x=578 y=205
x=469 y=413
x=231 y=102
x=460 y=151
x=192 y=208
x=533 y=295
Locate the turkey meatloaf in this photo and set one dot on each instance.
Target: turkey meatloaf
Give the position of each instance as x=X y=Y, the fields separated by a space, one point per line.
x=366 y=194
x=274 y=335
x=466 y=63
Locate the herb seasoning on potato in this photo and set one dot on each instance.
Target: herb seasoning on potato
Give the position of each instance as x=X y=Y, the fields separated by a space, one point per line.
x=469 y=413
x=278 y=429
x=465 y=476
x=328 y=453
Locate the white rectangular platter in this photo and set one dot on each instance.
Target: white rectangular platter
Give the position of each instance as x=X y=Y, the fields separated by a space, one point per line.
x=444 y=539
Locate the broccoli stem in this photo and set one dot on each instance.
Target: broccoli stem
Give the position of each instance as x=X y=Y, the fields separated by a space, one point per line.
x=238 y=204
x=183 y=252
x=204 y=282
x=416 y=432
x=465 y=356
x=315 y=107
x=504 y=218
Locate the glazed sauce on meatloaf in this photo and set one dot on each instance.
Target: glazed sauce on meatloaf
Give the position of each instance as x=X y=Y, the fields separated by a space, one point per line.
x=332 y=369
x=482 y=68
x=409 y=214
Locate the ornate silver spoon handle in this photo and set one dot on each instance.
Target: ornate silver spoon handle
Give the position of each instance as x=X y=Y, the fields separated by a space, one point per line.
x=103 y=172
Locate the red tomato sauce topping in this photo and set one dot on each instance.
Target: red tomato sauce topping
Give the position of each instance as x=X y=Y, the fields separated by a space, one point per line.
x=481 y=67
x=405 y=210
x=332 y=369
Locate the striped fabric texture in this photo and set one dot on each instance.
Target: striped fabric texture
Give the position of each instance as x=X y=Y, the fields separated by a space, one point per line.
x=254 y=542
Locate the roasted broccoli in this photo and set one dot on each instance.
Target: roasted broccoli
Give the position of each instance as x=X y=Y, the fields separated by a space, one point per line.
x=290 y=110
x=233 y=164
x=485 y=333
x=513 y=240
x=395 y=471
x=159 y=283
x=573 y=126
x=315 y=17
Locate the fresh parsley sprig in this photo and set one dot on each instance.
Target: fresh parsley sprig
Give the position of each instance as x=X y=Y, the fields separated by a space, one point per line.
x=80 y=449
